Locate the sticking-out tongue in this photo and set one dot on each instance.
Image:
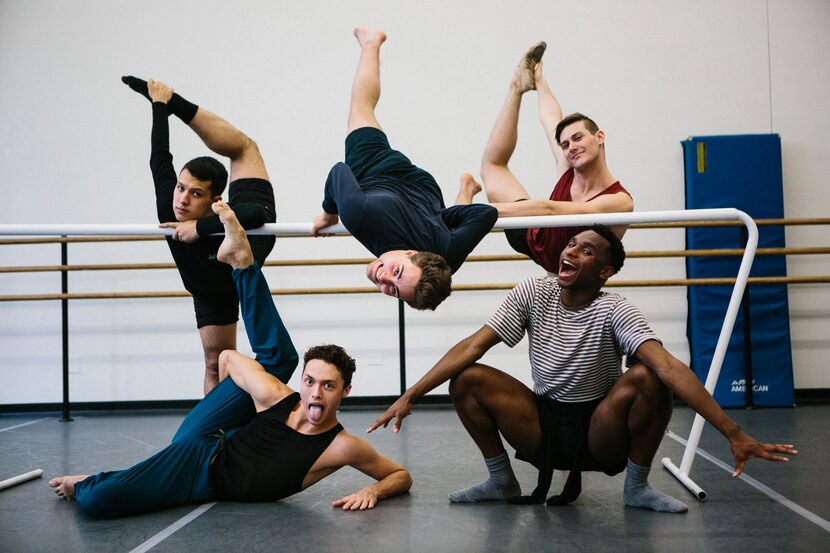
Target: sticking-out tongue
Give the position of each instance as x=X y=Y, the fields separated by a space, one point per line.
x=315 y=412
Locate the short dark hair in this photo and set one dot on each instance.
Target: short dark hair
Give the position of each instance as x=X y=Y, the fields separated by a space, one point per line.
x=435 y=284
x=592 y=127
x=616 y=251
x=206 y=168
x=333 y=355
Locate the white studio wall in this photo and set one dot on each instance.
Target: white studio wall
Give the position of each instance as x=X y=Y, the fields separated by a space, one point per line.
x=74 y=145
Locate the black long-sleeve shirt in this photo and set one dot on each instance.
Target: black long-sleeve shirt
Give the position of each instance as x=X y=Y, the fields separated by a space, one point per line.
x=385 y=214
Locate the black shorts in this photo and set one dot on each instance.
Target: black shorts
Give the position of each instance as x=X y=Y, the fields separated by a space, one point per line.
x=517 y=238
x=216 y=310
x=260 y=192
x=368 y=154
x=565 y=426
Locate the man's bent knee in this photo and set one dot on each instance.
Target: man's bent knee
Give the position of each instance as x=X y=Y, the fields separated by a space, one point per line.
x=224 y=362
x=212 y=360
x=488 y=169
x=647 y=387
x=645 y=379
x=251 y=148
x=468 y=379
x=212 y=352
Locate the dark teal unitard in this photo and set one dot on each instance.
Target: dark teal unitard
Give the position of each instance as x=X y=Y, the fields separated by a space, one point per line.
x=179 y=473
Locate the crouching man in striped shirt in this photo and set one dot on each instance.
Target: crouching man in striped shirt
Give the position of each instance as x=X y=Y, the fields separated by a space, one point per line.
x=583 y=413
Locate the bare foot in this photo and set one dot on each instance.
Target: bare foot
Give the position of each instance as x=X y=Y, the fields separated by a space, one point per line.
x=523 y=77
x=64 y=486
x=366 y=36
x=468 y=188
x=235 y=249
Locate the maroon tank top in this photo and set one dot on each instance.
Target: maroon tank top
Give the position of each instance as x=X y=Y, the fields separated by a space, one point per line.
x=546 y=244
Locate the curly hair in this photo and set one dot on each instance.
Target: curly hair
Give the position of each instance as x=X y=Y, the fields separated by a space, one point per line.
x=435 y=284
x=333 y=355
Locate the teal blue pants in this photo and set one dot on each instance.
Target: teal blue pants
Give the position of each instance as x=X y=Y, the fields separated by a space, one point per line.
x=179 y=473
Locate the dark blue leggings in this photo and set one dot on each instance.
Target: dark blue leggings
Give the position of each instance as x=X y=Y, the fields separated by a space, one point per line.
x=179 y=473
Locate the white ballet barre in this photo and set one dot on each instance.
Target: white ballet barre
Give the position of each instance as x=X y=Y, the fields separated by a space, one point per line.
x=299 y=229
x=720 y=214
x=9 y=482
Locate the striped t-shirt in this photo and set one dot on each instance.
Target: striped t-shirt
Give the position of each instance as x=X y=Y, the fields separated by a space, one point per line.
x=575 y=354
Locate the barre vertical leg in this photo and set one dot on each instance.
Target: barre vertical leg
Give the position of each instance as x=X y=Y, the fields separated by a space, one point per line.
x=748 y=378
x=747 y=328
x=402 y=346
x=65 y=332
x=719 y=353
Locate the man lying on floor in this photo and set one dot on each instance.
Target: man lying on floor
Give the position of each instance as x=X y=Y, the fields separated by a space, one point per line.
x=252 y=438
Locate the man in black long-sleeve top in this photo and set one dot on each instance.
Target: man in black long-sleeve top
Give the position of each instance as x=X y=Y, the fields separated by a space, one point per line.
x=393 y=207
x=183 y=203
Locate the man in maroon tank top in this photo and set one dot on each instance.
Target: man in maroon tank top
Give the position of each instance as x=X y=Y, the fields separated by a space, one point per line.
x=584 y=182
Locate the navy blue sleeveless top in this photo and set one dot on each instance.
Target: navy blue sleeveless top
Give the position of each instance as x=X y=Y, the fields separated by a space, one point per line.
x=267 y=460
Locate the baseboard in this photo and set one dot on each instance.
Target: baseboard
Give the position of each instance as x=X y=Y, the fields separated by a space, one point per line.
x=348 y=404
x=812 y=395
x=802 y=397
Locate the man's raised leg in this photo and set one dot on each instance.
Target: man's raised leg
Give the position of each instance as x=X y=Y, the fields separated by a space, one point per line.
x=267 y=334
x=627 y=427
x=227 y=406
x=366 y=83
x=226 y=140
x=246 y=163
x=499 y=182
x=217 y=134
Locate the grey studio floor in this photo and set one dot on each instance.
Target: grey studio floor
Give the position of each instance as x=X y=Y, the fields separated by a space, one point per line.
x=786 y=510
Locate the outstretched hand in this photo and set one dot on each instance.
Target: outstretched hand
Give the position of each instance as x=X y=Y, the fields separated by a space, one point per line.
x=398 y=410
x=322 y=221
x=358 y=501
x=744 y=448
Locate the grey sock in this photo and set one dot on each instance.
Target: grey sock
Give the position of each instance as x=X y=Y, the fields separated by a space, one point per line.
x=502 y=483
x=637 y=492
